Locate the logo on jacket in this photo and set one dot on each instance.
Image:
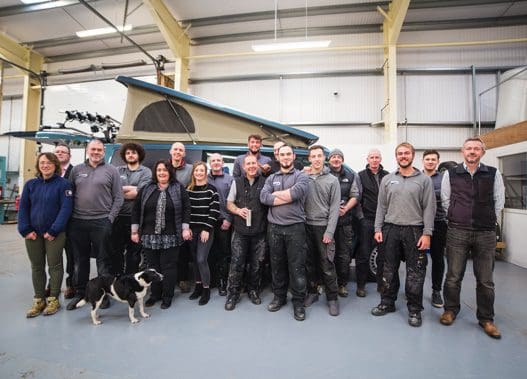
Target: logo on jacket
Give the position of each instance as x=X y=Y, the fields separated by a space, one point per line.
x=68 y=193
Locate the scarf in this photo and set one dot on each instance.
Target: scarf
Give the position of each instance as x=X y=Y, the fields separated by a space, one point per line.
x=160 y=211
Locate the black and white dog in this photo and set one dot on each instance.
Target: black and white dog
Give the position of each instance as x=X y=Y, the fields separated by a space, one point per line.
x=129 y=289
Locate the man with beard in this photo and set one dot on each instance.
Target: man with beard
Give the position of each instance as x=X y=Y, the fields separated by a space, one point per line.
x=322 y=215
x=285 y=194
x=473 y=196
x=126 y=255
x=248 y=236
x=350 y=189
x=183 y=175
x=404 y=223
x=370 y=179
x=275 y=163
x=220 y=254
x=254 y=144
x=98 y=198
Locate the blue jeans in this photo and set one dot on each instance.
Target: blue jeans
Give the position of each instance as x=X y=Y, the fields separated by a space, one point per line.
x=482 y=245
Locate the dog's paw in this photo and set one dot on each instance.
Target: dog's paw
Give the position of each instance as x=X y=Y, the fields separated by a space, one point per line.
x=97 y=322
x=145 y=315
x=134 y=320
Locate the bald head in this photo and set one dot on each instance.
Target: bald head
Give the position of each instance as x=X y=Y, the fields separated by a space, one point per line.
x=177 y=153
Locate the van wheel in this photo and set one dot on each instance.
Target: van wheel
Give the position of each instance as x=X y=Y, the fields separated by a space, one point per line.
x=372 y=272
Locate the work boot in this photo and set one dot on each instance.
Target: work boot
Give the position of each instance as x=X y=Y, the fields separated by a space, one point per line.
x=437 y=300
x=205 y=296
x=343 y=291
x=333 y=306
x=414 y=319
x=222 y=288
x=231 y=302
x=255 y=299
x=275 y=304
x=299 y=313
x=52 y=307
x=490 y=329
x=447 y=318
x=38 y=306
x=382 y=309
x=197 y=291
x=361 y=292
x=310 y=299
x=184 y=286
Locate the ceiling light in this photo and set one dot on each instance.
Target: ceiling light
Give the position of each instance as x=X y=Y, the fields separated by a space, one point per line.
x=277 y=46
x=33 y=1
x=100 y=31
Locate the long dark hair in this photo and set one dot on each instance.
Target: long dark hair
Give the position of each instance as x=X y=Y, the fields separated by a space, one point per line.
x=168 y=165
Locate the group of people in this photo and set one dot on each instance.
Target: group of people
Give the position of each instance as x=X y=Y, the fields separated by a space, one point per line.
x=300 y=222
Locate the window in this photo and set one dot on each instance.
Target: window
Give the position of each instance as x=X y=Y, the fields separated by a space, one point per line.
x=514 y=170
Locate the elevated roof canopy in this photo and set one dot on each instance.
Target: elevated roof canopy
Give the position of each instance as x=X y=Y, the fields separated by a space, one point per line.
x=157 y=113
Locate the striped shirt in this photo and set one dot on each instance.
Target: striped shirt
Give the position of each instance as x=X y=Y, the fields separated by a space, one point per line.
x=204 y=207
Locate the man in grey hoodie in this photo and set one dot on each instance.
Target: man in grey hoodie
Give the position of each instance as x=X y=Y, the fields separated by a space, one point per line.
x=322 y=214
x=404 y=222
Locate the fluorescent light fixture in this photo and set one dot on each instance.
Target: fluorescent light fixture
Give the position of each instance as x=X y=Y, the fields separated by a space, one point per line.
x=33 y=1
x=278 y=46
x=100 y=31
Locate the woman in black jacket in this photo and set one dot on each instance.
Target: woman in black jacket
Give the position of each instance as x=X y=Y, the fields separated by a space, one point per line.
x=160 y=221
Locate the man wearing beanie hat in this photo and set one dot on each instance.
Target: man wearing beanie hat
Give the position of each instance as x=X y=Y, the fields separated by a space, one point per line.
x=350 y=189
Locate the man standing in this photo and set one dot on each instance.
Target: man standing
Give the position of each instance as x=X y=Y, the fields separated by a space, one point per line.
x=183 y=174
x=370 y=179
x=322 y=215
x=275 y=163
x=125 y=253
x=98 y=197
x=254 y=144
x=404 y=223
x=349 y=198
x=248 y=237
x=437 y=244
x=473 y=196
x=221 y=247
x=285 y=194
x=63 y=153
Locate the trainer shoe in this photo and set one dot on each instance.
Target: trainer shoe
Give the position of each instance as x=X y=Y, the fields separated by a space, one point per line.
x=414 y=319
x=52 y=307
x=382 y=309
x=491 y=329
x=437 y=300
x=38 y=306
x=343 y=291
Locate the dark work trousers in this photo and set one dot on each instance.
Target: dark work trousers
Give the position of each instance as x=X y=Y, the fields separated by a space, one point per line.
x=437 y=254
x=287 y=247
x=89 y=237
x=183 y=268
x=401 y=242
x=220 y=255
x=69 y=262
x=343 y=242
x=320 y=262
x=200 y=253
x=165 y=262
x=482 y=246
x=246 y=249
x=126 y=254
x=368 y=243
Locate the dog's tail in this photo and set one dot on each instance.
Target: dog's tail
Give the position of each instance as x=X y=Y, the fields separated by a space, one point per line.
x=81 y=303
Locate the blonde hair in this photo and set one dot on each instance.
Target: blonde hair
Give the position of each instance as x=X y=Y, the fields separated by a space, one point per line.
x=192 y=184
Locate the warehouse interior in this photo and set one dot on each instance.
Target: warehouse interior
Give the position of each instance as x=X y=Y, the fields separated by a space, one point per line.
x=374 y=73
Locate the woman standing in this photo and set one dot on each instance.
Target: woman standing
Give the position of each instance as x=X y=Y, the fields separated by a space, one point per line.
x=45 y=208
x=160 y=221
x=205 y=209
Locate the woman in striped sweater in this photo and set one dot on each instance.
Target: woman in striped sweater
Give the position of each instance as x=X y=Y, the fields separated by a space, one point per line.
x=204 y=212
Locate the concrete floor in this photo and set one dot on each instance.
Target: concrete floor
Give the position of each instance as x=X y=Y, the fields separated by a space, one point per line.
x=189 y=341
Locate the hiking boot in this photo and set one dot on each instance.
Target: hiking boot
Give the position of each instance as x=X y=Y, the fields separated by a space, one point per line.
x=447 y=318
x=299 y=313
x=275 y=304
x=231 y=302
x=437 y=300
x=361 y=292
x=197 y=291
x=205 y=296
x=310 y=299
x=490 y=329
x=343 y=291
x=184 y=286
x=255 y=299
x=382 y=309
x=414 y=319
x=52 y=307
x=38 y=306
x=333 y=306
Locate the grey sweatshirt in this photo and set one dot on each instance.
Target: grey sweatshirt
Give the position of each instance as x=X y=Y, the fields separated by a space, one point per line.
x=323 y=201
x=406 y=201
x=97 y=191
x=139 y=178
x=286 y=214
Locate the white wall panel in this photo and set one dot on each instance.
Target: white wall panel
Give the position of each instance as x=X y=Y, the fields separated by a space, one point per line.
x=11 y=120
x=436 y=137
